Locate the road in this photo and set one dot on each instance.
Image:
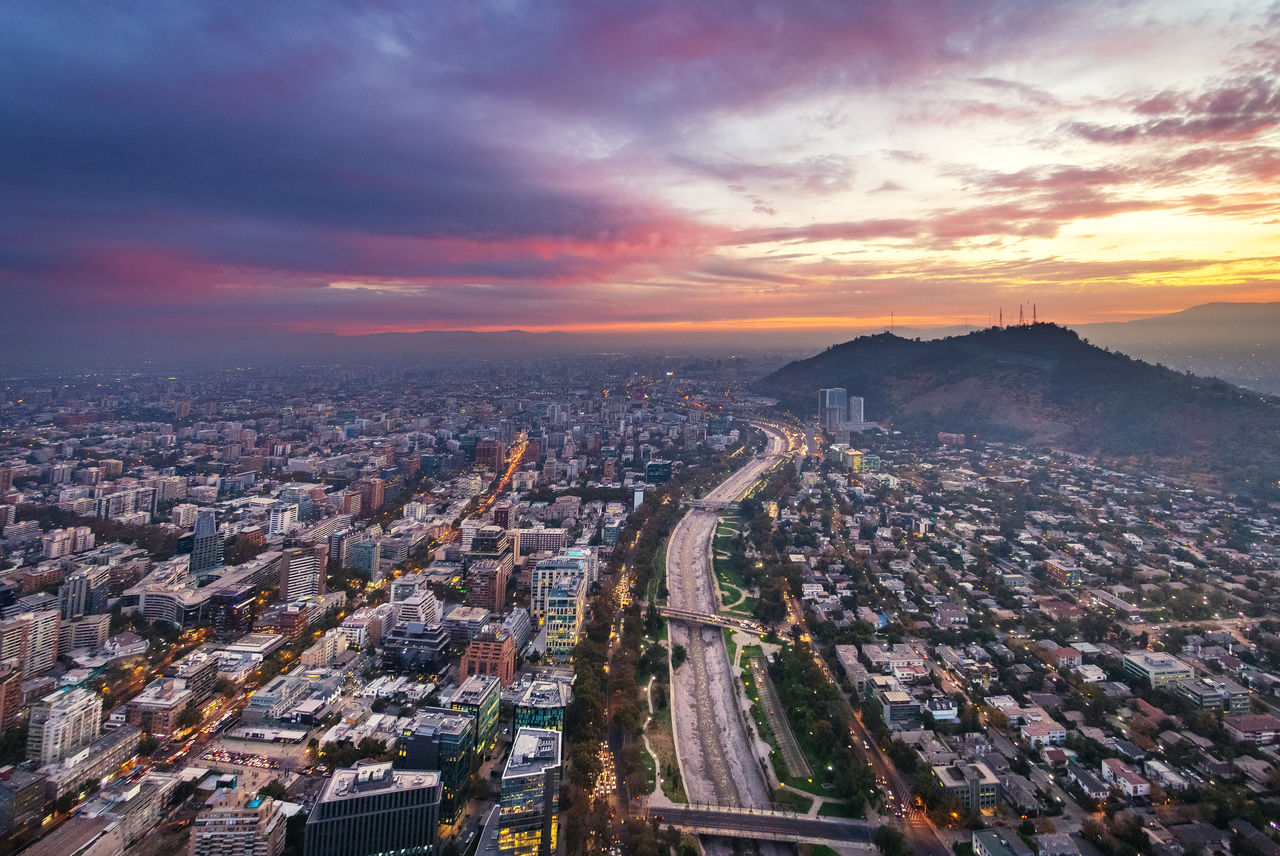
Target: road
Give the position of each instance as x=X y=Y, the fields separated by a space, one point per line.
x=714 y=746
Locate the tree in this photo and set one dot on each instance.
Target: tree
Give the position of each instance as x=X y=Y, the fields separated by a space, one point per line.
x=189 y=717
x=678 y=656
x=890 y=841
x=275 y=790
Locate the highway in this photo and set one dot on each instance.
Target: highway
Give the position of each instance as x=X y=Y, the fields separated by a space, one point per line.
x=714 y=745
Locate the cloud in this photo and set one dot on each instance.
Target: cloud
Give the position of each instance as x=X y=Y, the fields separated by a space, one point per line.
x=459 y=161
x=1238 y=110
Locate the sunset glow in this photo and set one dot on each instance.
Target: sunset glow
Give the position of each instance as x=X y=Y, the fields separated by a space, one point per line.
x=656 y=166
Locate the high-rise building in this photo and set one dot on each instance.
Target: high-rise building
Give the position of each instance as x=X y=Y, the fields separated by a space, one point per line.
x=565 y=603
x=206 y=544
x=302 y=571
x=29 y=641
x=855 y=411
x=443 y=740
x=491 y=455
x=63 y=723
x=281 y=518
x=85 y=592
x=373 y=809
x=340 y=544
x=372 y=493
x=365 y=556
x=480 y=696
x=235 y=822
x=491 y=542
x=570 y=563
x=487 y=583
x=183 y=515
x=528 y=819
x=10 y=696
x=833 y=408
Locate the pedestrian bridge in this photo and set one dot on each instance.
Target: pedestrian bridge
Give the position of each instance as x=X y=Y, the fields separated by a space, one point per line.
x=720 y=619
x=768 y=824
x=709 y=504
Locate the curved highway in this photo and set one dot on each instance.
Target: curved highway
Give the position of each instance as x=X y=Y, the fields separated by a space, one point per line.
x=715 y=749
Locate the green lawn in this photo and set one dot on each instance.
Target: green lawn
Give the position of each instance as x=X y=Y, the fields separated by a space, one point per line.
x=799 y=802
x=650 y=770
x=662 y=739
x=839 y=809
x=729 y=643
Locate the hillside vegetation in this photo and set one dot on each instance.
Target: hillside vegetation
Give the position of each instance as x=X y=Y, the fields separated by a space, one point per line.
x=1043 y=384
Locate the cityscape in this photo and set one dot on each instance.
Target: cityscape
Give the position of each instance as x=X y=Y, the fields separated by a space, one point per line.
x=640 y=429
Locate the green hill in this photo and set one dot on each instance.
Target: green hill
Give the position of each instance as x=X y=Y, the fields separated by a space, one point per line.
x=1043 y=384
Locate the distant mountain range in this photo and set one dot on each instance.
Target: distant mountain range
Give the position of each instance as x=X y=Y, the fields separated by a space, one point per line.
x=1043 y=384
x=1238 y=342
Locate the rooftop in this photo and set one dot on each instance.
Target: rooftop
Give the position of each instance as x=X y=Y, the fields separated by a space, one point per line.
x=368 y=776
x=534 y=750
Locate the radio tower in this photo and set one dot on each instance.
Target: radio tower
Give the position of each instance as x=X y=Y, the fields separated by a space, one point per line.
x=1033 y=314
x=1021 y=322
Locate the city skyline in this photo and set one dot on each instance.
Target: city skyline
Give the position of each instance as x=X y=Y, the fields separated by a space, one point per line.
x=660 y=168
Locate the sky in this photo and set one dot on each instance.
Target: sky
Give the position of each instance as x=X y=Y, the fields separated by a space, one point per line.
x=632 y=166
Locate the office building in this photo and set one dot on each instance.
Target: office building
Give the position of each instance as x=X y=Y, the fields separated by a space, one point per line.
x=899 y=709
x=442 y=740
x=480 y=696
x=1158 y=670
x=491 y=542
x=491 y=455
x=302 y=572
x=199 y=669
x=373 y=809
x=833 y=408
x=62 y=724
x=972 y=786
x=542 y=705
x=566 y=602
x=1216 y=693
x=569 y=563
x=528 y=819
x=414 y=647
x=491 y=653
x=206 y=544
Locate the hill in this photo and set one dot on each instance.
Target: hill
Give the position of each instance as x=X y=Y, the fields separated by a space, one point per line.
x=1043 y=384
